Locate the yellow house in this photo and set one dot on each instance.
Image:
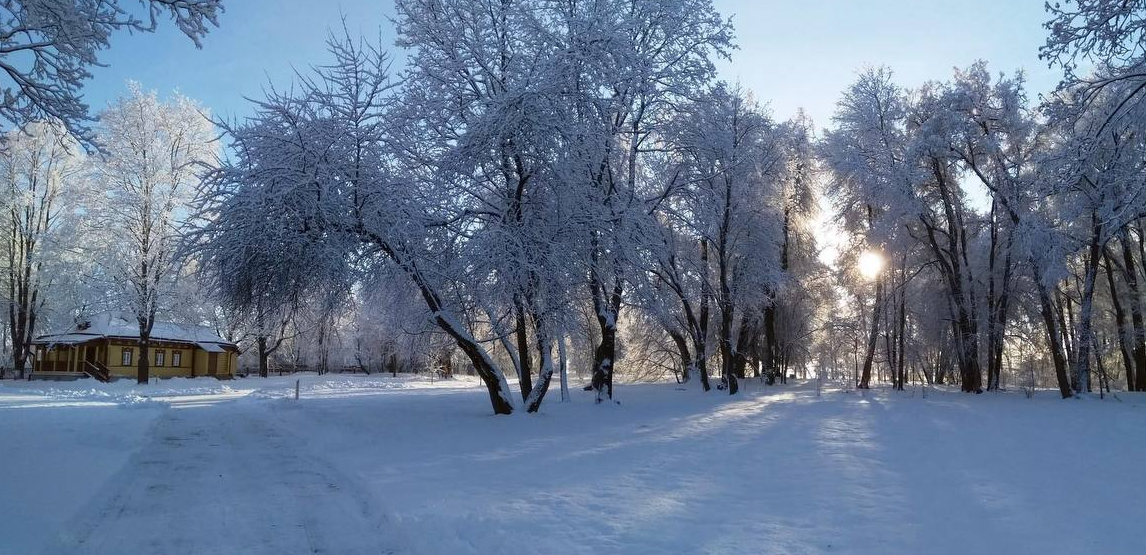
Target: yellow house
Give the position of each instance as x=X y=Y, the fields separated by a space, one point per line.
x=106 y=346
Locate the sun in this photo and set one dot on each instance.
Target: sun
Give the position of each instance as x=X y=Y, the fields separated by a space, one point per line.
x=870 y=264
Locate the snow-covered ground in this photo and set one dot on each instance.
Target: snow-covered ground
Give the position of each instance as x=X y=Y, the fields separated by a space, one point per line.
x=378 y=465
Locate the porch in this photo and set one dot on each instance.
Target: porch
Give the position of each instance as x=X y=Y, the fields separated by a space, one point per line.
x=63 y=361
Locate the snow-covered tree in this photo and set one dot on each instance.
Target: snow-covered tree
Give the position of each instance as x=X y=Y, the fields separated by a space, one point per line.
x=154 y=154
x=732 y=157
x=901 y=161
x=1099 y=113
x=867 y=153
x=1104 y=37
x=47 y=48
x=500 y=185
x=731 y=232
x=41 y=173
x=628 y=67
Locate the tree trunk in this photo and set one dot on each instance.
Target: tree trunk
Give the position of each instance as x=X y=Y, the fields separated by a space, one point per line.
x=955 y=268
x=744 y=338
x=685 y=356
x=727 y=360
x=1083 y=339
x=701 y=365
x=264 y=357
x=901 y=376
x=23 y=289
x=524 y=368
x=970 y=372
x=700 y=335
x=771 y=312
x=447 y=363
x=492 y=376
x=772 y=354
x=873 y=336
x=143 y=367
x=604 y=356
x=1125 y=337
x=998 y=303
x=545 y=370
x=495 y=383
x=941 y=367
x=1099 y=365
x=1137 y=380
x=1054 y=337
x=565 y=398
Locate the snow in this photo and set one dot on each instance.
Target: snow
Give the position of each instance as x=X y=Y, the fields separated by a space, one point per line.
x=125 y=325
x=369 y=464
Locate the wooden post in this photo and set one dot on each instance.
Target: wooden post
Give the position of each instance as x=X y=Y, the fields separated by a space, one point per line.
x=296 y=390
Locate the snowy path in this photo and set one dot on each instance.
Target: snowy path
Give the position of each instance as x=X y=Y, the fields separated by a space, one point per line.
x=226 y=479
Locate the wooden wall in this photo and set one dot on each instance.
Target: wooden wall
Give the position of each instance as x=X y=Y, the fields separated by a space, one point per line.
x=193 y=360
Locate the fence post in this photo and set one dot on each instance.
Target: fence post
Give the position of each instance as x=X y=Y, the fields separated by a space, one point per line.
x=296 y=390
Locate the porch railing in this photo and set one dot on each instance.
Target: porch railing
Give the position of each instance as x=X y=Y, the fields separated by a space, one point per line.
x=97 y=371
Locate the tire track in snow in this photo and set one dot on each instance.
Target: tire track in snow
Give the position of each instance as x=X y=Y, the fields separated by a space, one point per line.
x=227 y=479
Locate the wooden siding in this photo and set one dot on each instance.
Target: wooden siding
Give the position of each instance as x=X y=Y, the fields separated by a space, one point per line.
x=193 y=360
x=200 y=362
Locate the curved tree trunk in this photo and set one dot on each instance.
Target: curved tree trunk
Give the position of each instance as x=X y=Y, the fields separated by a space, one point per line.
x=487 y=370
x=685 y=356
x=545 y=370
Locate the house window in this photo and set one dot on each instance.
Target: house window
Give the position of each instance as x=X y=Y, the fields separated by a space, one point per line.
x=126 y=358
x=159 y=355
x=176 y=358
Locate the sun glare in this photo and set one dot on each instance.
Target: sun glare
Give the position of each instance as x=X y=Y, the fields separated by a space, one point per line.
x=870 y=264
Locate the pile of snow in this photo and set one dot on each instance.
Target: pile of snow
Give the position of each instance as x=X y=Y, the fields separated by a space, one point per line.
x=119 y=391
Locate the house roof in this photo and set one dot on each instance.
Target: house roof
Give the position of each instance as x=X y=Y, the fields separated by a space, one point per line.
x=122 y=325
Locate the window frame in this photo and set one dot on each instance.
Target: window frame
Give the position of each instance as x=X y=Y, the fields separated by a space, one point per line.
x=176 y=358
x=160 y=357
x=125 y=356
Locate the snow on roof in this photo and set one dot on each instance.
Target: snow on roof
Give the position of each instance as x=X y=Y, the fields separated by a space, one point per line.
x=124 y=325
x=64 y=338
x=210 y=347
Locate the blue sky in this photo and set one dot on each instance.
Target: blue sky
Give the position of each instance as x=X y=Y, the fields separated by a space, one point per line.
x=792 y=54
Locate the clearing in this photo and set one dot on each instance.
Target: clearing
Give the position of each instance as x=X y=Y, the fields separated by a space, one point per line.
x=366 y=464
